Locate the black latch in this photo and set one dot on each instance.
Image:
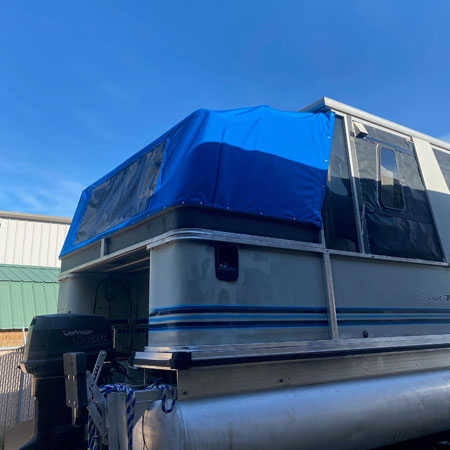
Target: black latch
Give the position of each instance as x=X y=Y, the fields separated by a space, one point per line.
x=227 y=261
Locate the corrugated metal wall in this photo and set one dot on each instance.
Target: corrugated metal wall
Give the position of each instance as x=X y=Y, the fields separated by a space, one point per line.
x=31 y=240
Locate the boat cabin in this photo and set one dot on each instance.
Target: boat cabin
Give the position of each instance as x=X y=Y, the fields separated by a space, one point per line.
x=260 y=227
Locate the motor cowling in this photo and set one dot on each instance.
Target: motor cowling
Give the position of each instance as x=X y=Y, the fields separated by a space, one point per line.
x=49 y=337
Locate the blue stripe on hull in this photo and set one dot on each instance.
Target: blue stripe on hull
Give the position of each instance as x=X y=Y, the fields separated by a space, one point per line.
x=208 y=317
x=184 y=309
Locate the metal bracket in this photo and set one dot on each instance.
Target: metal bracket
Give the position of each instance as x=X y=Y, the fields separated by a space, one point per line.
x=109 y=414
x=116 y=415
x=98 y=365
x=96 y=401
x=143 y=400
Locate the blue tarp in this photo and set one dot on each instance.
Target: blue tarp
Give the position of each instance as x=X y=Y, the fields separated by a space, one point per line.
x=254 y=160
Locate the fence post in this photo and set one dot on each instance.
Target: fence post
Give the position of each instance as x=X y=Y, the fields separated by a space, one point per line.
x=22 y=378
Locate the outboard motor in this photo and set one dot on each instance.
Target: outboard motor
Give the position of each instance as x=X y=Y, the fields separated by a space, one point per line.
x=49 y=337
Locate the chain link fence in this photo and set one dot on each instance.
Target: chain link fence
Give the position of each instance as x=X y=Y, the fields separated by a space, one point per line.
x=16 y=401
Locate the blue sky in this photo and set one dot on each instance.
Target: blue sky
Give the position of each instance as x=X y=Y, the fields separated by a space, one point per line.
x=83 y=85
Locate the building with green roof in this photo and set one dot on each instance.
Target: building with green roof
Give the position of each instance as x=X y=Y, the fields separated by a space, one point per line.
x=29 y=268
x=26 y=291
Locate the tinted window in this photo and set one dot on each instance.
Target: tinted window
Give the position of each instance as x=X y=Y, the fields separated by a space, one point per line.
x=338 y=211
x=391 y=194
x=443 y=159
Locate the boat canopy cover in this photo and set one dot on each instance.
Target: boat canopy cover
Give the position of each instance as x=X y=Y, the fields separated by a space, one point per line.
x=253 y=160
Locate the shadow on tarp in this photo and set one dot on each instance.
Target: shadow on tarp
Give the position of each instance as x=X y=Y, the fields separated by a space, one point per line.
x=213 y=174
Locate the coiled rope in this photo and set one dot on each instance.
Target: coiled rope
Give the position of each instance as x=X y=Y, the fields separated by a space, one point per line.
x=169 y=393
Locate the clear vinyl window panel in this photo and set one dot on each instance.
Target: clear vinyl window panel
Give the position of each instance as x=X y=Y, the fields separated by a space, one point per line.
x=122 y=196
x=391 y=192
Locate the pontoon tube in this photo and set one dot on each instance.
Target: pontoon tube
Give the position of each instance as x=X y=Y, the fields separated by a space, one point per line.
x=351 y=415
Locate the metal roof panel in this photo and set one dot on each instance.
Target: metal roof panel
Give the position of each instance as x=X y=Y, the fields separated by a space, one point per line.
x=9 y=272
x=21 y=301
x=26 y=292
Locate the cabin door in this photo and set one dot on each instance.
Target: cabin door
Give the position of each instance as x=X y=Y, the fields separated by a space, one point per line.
x=395 y=215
